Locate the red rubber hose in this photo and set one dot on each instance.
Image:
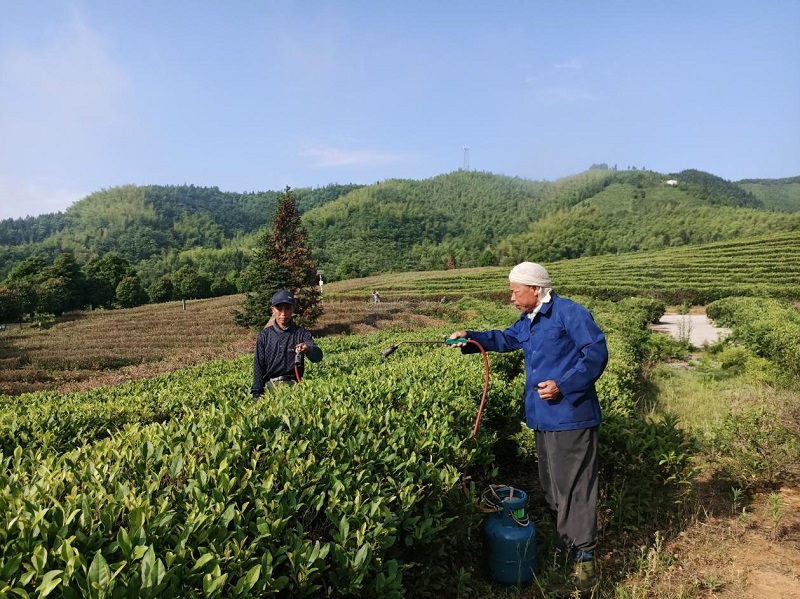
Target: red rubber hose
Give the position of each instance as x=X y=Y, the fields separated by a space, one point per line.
x=480 y=410
x=298 y=359
x=485 y=387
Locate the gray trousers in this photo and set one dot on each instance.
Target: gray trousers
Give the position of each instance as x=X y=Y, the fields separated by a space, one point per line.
x=568 y=474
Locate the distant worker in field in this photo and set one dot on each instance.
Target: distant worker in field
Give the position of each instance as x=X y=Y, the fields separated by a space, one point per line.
x=565 y=353
x=280 y=345
x=376 y=297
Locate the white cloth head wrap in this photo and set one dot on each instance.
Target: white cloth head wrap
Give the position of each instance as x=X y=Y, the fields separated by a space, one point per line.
x=530 y=273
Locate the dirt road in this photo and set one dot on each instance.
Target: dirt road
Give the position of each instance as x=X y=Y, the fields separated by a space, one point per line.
x=698 y=329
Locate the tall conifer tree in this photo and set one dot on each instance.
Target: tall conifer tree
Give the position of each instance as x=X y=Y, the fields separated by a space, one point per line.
x=282 y=260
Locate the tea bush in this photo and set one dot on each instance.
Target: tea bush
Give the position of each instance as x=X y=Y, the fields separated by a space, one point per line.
x=753 y=446
x=359 y=482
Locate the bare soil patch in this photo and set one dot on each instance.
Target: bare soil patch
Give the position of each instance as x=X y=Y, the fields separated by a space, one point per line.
x=727 y=555
x=107 y=347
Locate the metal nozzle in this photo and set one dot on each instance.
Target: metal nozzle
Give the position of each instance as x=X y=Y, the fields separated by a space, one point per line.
x=298 y=357
x=390 y=350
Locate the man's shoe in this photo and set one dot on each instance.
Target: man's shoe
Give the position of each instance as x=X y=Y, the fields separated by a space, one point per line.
x=581 y=582
x=585 y=576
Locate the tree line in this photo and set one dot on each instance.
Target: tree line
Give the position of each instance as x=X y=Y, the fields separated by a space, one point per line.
x=35 y=288
x=174 y=242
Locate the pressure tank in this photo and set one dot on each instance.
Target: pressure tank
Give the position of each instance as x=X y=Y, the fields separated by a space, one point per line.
x=509 y=537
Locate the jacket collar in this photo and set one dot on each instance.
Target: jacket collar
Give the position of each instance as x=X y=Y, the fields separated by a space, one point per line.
x=288 y=329
x=545 y=309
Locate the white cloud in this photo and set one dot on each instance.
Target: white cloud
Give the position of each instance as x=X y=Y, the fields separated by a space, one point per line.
x=326 y=157
x=570 y=65
x=561 y=83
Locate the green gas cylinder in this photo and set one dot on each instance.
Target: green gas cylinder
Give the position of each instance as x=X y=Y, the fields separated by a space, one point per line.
x=509 y=537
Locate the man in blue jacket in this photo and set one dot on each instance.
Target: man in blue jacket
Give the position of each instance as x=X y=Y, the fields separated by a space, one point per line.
x=565 y=353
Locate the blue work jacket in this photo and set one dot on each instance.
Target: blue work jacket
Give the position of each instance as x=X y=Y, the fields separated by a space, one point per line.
x=562 y=343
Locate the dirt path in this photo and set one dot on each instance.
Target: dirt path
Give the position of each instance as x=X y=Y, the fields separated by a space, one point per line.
x=698 y=329
x=750 y=555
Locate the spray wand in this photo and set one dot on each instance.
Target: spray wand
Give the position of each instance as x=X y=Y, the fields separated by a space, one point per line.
x=391 y=349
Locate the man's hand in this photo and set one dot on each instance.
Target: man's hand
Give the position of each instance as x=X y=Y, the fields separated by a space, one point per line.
x=548 y=390
x=301 y=348
x=458 y=335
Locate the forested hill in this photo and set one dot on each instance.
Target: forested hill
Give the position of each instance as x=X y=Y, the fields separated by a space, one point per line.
x=147 y=223
x=641 y=212
x=775 y=194
x=480 y=219
x=461 y=218
x=420 y=225
x=140 y=221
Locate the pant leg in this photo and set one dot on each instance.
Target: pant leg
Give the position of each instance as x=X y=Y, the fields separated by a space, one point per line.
x=543 y=457
x=568 y=474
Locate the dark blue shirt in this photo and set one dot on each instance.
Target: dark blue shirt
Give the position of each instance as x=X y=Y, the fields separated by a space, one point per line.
x=274 y=355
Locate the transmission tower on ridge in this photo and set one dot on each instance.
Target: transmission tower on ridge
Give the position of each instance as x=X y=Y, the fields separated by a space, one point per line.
x=466 y=158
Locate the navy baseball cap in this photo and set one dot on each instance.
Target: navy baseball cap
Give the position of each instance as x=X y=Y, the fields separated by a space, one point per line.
x=284 y=296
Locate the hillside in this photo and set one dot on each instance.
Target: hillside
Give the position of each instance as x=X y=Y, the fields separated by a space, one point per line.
x=462 y=219
x=401 y=225
x=630 y=216
x=141 y=223
x=775 y=194
x=394 y=225
x=767 y=265
x=479 y=219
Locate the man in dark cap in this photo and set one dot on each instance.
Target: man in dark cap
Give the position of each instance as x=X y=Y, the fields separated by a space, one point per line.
x=280 y=346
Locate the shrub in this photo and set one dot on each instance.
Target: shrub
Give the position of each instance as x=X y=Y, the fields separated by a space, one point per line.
x=753 y=446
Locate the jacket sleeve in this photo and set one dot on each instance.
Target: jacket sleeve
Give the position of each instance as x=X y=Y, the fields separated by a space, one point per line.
x=258 y=366
x=494 y=340
x=590 y=342
x=314 y=351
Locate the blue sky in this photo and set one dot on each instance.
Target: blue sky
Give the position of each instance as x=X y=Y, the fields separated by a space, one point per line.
x=251 y=96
